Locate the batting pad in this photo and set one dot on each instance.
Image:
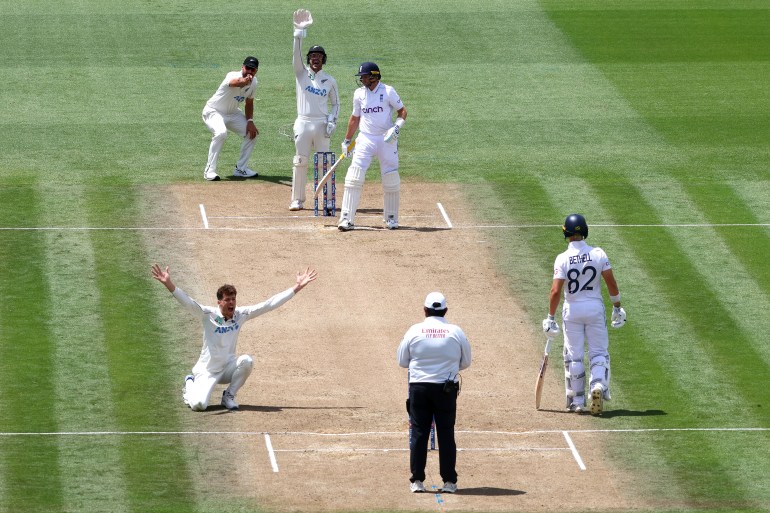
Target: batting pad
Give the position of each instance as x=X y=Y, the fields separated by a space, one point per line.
x=391 y=188
x=354 y=185
x=299 y=178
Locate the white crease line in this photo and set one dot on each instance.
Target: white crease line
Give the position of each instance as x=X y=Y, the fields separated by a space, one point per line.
x=203 y=215
x=575 y=453
x=443 y=213
x=406 y=449
x=271 y=453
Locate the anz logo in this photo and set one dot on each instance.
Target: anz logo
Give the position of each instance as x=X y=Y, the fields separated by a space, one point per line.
x=226 y=329
x=315 y=90
x=239 y=99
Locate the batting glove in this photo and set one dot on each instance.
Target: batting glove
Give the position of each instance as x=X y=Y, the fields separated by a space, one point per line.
x=618 y=318
x=391 y=134
x=345 y=145
x=550 y=327
x=331 y=126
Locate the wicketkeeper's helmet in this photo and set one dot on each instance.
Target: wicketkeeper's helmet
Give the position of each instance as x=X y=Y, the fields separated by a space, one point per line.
x=575 y=224
x=368 y=69
x=316 y=49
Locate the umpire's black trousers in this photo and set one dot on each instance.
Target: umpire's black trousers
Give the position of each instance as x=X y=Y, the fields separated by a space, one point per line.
x=426 y=402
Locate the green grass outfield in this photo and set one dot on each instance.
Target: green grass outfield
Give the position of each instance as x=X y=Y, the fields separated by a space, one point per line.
x=650 y=117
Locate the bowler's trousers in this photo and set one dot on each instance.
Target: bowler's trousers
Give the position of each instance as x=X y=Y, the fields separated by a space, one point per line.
x=426 y=402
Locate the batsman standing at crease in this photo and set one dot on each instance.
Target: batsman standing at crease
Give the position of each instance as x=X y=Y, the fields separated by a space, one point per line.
x=221 y=325
x=435 y=352
x=318 y=106
x=582 y=268
x=373 y=107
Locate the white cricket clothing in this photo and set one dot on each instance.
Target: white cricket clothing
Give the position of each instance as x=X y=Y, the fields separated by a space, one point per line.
x=434 y=351
x=220 y=337
x=581 y=267
x=227 y=98
x=315 y=91
x=584 y=320
x=376 y=108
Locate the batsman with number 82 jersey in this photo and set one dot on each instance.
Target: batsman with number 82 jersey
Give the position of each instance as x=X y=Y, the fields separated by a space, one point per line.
x=578 y=272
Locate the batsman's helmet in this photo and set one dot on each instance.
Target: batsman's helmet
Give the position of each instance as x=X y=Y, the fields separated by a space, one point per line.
x=575 y=224
x=368 y=69
x=316 y=49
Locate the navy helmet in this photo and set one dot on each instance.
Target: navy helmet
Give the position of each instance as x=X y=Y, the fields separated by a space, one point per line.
x=368 y=69
x=575 y=224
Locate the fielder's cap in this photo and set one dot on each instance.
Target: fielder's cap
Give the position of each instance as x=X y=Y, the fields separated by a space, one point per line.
x=435 y=301
x=251 y=62
x=368 y=68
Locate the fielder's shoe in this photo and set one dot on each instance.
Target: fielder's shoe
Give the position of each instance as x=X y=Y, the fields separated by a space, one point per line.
x=344 y=225
x=448 y=487
x=577 y=408
x=228 y=401
x=597 y=400
x=391 y=223
x=211 y=176
x=295 y=205
x=245 y=173
x=417 y=487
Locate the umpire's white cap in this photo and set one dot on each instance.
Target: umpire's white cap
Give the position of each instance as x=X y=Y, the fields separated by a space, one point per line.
x=435 y=301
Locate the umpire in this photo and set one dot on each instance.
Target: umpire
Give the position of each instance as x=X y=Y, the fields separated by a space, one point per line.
x=435 y=352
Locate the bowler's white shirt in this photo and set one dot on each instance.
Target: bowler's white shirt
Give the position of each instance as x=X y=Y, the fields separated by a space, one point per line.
x=581 y=267
x=227 y=98
x=434 y=351
x=220 y=337
x=376 y=108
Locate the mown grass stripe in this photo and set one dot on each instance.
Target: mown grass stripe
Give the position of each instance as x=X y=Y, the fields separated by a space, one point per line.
x=155 y=469
x=91 y=472
x=733 y=359
x=29 y=468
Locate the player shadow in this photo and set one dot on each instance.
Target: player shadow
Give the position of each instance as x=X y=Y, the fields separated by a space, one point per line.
x=218 y=409
x=489 y=491
x=630 y=413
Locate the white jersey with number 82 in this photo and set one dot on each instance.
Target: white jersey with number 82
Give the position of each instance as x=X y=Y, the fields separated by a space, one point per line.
x=581 y=269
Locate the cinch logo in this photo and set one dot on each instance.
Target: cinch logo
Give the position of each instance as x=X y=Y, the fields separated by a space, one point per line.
x=315 y=90
x=372 y=110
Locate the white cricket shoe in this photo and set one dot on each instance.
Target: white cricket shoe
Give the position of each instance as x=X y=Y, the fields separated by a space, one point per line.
x=211 y=176
x=295 y=205
x=228 y=401
x=448 y=487
x=577 y=408
x=391 y=223
x=188 y=380
x=597 y=400
x=344 y=225
x=417 y=487
x=245 y=173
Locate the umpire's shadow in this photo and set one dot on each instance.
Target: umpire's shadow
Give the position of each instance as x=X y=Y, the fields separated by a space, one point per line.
x=489 y=491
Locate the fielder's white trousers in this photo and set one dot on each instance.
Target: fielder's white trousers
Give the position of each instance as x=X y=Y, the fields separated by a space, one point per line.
x=197 y=393
x=219 y=124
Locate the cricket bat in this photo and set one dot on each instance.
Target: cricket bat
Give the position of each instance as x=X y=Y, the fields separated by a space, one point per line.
x=541 y=374
x=325 y=178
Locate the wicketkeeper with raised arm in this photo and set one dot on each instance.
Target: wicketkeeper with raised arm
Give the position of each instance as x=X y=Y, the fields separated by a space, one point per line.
x=373 y=106
x=582 y=268
x=318 y=106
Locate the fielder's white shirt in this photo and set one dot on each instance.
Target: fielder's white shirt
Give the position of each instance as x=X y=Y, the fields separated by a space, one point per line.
x=315 y=91
x=227 y=99
x=581 y=269
x=434 y=351
x=220 y=337
x=376 y=108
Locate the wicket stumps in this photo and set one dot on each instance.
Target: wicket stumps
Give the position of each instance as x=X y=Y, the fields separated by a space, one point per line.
x=322 y=162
